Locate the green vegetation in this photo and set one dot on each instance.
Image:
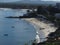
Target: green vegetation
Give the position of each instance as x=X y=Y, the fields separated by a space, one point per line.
x=54 y=37
x=52 y=43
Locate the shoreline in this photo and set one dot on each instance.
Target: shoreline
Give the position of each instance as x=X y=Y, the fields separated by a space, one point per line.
x=43 y=28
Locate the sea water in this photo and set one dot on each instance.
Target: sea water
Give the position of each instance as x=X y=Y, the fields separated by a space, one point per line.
x=15 y=31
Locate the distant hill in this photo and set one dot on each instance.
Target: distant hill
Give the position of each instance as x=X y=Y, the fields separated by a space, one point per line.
x=32 y=2
x=26 y=3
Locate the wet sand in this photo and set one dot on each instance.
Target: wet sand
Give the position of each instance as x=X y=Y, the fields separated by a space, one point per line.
x=43 y=27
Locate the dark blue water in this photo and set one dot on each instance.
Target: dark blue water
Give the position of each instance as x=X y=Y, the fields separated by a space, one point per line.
x=15 y=31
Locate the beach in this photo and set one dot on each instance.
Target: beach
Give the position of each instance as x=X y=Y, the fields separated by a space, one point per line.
x=42 y=27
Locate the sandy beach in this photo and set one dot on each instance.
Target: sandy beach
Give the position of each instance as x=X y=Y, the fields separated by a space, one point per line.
x=42 y=27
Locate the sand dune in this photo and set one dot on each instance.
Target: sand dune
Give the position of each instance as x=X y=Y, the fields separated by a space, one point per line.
x=42 y=27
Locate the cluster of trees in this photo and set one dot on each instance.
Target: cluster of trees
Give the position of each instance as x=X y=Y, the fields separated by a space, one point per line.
x=51 y=9
x=48 y=11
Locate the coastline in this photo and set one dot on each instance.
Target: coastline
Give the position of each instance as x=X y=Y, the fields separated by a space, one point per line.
x=43 y=28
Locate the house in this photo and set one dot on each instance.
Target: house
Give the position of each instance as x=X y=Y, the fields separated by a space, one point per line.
x=58 y=5
x=57 y=15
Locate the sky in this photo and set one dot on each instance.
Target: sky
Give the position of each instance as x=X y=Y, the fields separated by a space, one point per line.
x=8 y=0
x=26 y=0
x=51 y=0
